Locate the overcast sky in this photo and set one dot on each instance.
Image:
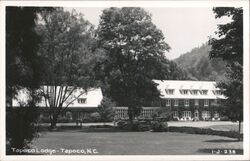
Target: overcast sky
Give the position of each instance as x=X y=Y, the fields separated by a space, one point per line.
x=183 y=28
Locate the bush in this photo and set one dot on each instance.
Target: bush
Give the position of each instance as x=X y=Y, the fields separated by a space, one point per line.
x=224 y=118
x=203 y=131
x=95 y=117
x=45 y=120
x=157 y=126
x=175 y=119
x=137 y=125
x=61 y=119
x=121 y=123
x=143 y=127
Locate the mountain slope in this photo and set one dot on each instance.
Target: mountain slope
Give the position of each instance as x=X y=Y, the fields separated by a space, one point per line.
x=198 y=65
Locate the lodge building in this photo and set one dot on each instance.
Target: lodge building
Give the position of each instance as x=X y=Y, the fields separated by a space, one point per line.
x=85 y=104
x=186 y=101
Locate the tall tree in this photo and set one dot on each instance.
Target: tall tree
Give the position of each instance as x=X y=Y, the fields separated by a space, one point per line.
x=135 y=48
x=22 y=70
x=68 y=54
x=229 y=47
x=106 y=111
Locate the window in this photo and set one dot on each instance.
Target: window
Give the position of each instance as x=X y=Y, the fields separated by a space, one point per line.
x=203 y=92
x=168 y=102
x=169 y=91
x=219 y=92
x=205 y=114
x=186 y=102
x=176 y=102
x=175 y=114
x=186 y=114
x=196 y=102
x=195 y=92
x=81 y=100
x=184 y=91
x=206 y=102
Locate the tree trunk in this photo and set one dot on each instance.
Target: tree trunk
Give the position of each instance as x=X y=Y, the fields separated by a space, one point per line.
x=53 y=123
x=131 y=116
x=239 y=137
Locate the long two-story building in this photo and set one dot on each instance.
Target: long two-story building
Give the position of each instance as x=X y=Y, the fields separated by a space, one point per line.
x=186 y=100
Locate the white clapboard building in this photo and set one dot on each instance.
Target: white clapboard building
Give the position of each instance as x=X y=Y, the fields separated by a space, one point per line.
x=80 y=102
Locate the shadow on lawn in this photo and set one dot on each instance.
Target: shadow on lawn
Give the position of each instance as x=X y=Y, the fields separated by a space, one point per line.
x=100 y=130
x=86 y=129
x=222 y=140
x=222 y=151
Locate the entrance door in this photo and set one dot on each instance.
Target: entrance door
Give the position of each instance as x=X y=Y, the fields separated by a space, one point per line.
x=186 y=115
x=196 y=115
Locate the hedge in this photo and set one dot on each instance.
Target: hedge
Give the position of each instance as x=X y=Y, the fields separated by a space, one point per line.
x=205 y=131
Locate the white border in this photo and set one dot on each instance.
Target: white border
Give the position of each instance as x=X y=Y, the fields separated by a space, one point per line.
x=183 y=3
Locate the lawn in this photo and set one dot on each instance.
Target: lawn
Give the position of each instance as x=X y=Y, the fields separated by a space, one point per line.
x=226 y=127
x=134 y=143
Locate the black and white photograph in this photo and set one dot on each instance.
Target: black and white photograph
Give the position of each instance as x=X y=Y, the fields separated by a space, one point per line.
x=131 y=80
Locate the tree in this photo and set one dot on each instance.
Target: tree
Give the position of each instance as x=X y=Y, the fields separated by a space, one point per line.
x=69 y=55
x=229 y=47
x=22 y=71
x=135 y=48
x=105 y=109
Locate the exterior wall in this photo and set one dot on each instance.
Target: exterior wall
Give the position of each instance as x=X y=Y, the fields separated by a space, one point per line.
x=69 y=115
x=194 y=112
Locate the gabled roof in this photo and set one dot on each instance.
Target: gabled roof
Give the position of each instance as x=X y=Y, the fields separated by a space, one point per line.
x=178 y=86
x=93 y=98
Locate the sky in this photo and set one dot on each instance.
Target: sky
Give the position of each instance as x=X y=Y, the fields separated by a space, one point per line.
x=183 y=28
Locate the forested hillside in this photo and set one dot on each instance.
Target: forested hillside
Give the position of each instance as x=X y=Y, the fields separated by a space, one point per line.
x=198 y=65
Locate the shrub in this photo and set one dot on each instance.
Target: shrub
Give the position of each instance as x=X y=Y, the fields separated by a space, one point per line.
x=157 y=126
x=92 y=117
x=204 y=131
x=224 y=118
x=143 y=127
x=121 y=123
x=45 y=120
x=137 y=125
x=95 y=117
x=63 y=119
x=175 y=119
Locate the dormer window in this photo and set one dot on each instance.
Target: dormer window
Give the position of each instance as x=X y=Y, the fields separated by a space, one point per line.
x=204 y=92
x=218 y=92
x=195 y=92
x=169 y=91
x=81 y=100
x=184 y=91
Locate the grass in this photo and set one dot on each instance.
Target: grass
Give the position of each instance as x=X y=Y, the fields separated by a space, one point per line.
x=226 y=127
x=135 y=143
